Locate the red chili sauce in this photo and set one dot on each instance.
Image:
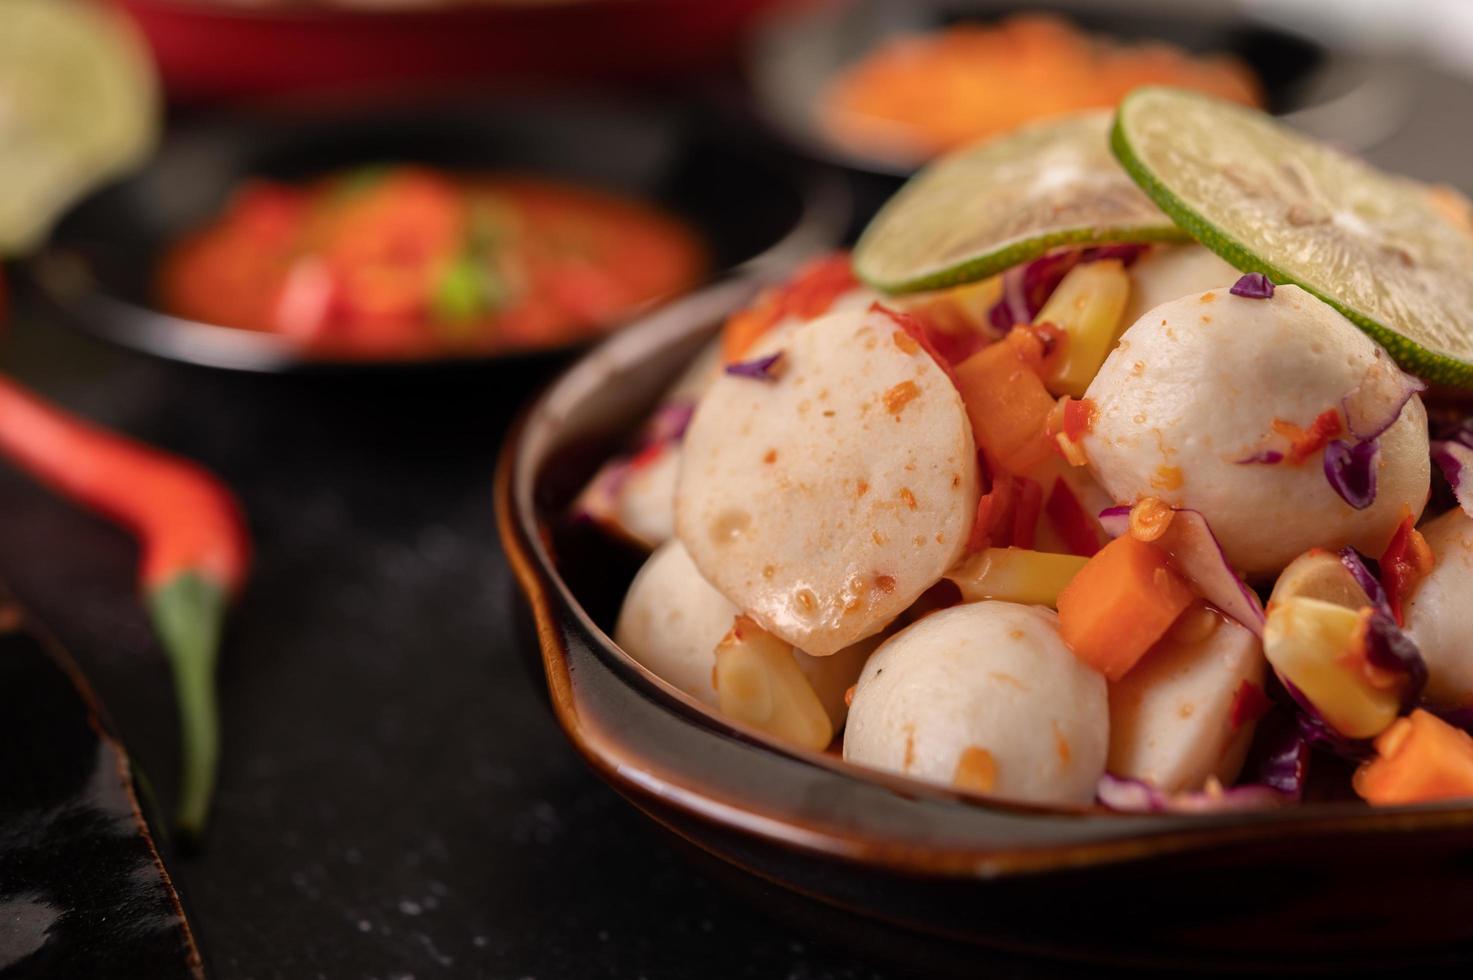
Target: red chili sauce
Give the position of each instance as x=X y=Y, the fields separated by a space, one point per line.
x=405 y=262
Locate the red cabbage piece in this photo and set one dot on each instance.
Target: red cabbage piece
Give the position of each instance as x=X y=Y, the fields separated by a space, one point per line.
x=1319 y=733
x=1026 y=288
x=1125 y=252
x=1459 y=430
x=1134 y=796
x=1115 y=520
x=1254 y=285
x=1390 y=649
x=758 y=369
x=1455 y=460
x=1267 y=456
x=1365 y=577
x=1351 y=470
x=1378 y=401
x=1279 y=756
x=669 y=422
x=1197 y=555
x=599 y=501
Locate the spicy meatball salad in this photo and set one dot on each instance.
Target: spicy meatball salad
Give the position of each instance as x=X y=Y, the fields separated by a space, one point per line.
x=1120 y=464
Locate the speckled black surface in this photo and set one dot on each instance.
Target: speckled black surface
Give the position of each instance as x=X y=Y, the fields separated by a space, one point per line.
x=396 y=800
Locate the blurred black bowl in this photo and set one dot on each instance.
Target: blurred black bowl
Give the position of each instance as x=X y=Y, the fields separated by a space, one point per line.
x=755 y=208
x=1331 y=95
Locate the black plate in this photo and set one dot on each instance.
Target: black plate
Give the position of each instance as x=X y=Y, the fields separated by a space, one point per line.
x=752 y=207
x=83 y=888
x=1331 y=95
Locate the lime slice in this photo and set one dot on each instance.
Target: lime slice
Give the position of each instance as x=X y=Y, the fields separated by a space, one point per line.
x=78 y=104
x=991 y=206
x=1374 y=246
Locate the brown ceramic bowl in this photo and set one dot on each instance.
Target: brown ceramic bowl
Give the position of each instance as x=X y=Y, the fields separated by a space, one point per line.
x=1317 y=886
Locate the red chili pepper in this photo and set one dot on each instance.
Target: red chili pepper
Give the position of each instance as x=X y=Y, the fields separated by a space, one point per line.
x=808 y=296
x=1406 y=561
x=1025 y=516
x=1071 y=521
x=194 y=553
x=917 y=331
x=1304 y=443
x=1079 y=417
x=992 y=523
x=1249 y=705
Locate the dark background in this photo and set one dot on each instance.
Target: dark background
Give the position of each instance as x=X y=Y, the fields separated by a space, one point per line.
x=396 y=800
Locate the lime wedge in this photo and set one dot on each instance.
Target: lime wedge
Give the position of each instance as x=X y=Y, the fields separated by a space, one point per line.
x=78 y=104
x=1374 y=246
x=1004 y=201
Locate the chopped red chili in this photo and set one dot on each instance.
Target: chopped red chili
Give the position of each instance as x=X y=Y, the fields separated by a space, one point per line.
x=1071 y=521
x=1249 y=705
x=1404 y=564
x=992 y=524
x=1079 y=417
x=1304 y=443
x=1026 y=512
x=809 y=295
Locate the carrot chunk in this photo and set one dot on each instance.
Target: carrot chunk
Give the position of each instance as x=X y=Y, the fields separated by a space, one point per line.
x=1419 y=759
x=1007 y=402
x=1122 y=601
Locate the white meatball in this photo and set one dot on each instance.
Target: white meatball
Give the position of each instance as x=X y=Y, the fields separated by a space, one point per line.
x=672 y=620
x=1170 y=272
x=1439 y=616
x=1196 y=386
x=986 y=696
x=823 y=503
x=1171 y=716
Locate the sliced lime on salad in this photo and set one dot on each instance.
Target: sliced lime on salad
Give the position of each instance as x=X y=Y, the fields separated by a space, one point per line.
x=1374 y=246
x=991 y=206
x=78 y=104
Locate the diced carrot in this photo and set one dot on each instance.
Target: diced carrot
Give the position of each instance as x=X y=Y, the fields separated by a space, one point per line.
x=1007 y=402
x=1124 y=599
x=1419 y=759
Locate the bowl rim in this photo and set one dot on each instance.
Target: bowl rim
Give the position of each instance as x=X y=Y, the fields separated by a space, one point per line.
x=532 y=438
x=62 y=281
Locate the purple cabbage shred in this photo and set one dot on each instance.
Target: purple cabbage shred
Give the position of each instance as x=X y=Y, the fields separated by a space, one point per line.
x=1026 y=288
x=1390 y=649
x=1254 y=285
x=669 y=422
x=1351 y=470
x=759 y=369
x=1356 y=565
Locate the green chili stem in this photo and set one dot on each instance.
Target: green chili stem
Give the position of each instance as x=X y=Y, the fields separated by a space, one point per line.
x=188 y=613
